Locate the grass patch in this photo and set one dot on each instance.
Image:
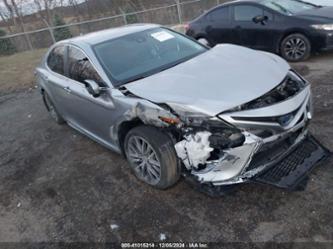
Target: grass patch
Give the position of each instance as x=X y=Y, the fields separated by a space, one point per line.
x=17 y=71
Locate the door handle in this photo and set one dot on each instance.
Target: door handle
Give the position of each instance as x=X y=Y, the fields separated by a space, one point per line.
x=67 y=89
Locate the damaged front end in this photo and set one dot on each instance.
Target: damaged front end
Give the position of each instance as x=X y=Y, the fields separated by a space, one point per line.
x=259 y=141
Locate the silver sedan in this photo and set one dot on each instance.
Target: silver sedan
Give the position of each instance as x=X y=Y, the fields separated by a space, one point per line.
x=173 y=107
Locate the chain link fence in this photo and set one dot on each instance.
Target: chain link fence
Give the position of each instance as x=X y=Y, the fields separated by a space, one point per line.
x=178 y=13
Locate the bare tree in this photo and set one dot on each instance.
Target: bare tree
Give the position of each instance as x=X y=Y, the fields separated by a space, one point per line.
x=44 y=8
x=10 y=11
x=5 y=17
x=15 y=13
x=77 y=11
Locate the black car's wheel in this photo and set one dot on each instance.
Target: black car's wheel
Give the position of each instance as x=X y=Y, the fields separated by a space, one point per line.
x=295 y=47
x=152 y=156
x=52 y=110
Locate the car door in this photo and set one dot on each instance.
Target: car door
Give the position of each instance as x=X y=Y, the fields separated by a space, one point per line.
x=55 y=79
x=218 y=26
x=249 y=33
x=90 y=114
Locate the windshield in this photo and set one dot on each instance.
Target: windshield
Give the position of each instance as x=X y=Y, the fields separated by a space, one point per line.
x=289 y=7
x=142 y=54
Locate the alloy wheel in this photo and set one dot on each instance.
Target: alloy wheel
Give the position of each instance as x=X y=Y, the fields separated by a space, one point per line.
x=295 y=48
x=144 y=160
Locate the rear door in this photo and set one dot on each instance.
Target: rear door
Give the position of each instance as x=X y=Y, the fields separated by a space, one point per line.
x=249 y=33
x=218 y=26
x=55 y=79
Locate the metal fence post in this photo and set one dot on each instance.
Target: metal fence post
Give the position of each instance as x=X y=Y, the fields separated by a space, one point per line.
x=52 y=35
x=50 y=30
x=124 y=15
x=179 y=10
x=27 y=38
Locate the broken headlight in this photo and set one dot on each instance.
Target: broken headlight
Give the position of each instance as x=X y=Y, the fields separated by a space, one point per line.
x=223 y=134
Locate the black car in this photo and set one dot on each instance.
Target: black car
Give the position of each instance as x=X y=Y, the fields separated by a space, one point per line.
x=291 y=28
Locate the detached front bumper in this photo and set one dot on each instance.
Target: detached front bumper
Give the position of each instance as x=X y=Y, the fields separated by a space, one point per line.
x=283 y=163
x=291 y=170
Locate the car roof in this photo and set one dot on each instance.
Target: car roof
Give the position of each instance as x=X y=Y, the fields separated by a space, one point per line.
x=231 y=3
x=238 y=2
x=108 y=34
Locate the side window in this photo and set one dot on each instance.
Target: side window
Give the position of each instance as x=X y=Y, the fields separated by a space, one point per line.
x=247 y=12
x=220 y=14
x=269 y=15
x=55 y=61
x=80 y=68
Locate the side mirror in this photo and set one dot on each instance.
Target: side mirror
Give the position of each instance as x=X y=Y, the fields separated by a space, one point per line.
x=260 y=19
x=93 y=88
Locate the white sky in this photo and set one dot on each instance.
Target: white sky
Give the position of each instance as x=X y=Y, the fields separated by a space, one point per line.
x=28 y=6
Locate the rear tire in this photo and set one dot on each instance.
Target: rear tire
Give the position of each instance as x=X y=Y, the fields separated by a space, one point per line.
x=52 y=109
x=295 y=48
x=152 y=156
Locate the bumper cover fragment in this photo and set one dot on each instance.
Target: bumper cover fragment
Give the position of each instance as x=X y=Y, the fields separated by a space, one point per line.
x=293 y=169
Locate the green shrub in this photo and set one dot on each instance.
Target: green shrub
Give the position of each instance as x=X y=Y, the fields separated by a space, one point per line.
x=132 y=18
x=61 y=33
x=6 y=46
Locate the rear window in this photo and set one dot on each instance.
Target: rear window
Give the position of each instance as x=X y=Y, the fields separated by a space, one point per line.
x=55 y=61
x=247 y=12
x=220 y=14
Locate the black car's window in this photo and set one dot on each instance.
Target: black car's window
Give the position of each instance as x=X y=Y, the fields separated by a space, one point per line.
x=55 y=61
x=145 y=53
x=288 y=7
x=80 y=68
x=220 y=14
x=247 y=12
x=269 y=15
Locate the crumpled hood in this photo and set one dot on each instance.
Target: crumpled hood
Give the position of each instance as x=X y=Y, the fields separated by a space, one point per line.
x=220 y=79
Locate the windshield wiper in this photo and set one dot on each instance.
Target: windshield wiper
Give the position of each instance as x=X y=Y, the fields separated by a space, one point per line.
x=140 y=77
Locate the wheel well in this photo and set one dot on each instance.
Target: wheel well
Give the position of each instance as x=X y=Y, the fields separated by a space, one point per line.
x=290 y=32
x=124 y=128
x=42 y=91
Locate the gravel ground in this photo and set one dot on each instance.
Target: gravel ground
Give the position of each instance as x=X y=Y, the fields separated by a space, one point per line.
x=57 y=185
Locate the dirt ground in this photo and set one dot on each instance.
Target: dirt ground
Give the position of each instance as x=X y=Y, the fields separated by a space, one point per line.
x=17 y=70
x=57 y=185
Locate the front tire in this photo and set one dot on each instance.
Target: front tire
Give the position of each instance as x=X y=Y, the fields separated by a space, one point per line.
x=152 y=156
x=295 y=48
